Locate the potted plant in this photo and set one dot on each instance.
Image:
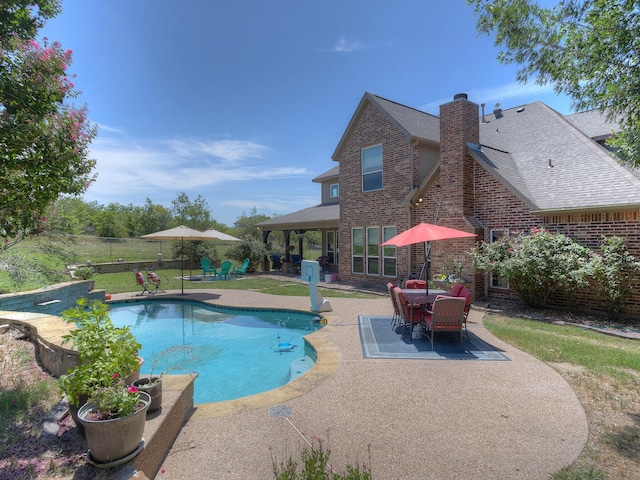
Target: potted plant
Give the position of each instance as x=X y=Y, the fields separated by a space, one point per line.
x=167 y=359
x=104 y=350
x=113 y=420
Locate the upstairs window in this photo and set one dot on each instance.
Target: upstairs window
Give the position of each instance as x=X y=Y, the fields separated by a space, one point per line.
x=334 y=190
x=372 y=168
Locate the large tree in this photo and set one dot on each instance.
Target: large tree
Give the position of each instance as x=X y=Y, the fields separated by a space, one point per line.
x=44 y=140
x=587 y=49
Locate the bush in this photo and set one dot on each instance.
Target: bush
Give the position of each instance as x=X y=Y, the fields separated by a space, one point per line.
x=536 y=265
x=613 y=272
x=540 y=263
x=252 y=249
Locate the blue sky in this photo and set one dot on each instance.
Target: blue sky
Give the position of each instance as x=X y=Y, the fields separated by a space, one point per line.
x=244 y=102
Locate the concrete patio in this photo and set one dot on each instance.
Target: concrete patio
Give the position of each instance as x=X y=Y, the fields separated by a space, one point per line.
x=407 y=419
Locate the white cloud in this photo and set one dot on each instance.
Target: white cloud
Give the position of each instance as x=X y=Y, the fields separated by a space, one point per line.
x=507 y=95
x=128 y=169
x=344 y=45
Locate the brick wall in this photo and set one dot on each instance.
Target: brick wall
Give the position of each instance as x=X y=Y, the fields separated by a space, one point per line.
x=497 y=208
x=378 y=208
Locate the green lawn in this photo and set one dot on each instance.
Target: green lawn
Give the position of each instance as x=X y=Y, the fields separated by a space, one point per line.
x=126 y=282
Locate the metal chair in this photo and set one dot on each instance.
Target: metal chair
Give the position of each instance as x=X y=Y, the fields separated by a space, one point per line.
x=409 y=314
x=447 y=315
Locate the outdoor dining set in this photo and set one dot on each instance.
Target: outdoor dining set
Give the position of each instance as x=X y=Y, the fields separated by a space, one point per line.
x=424 y=313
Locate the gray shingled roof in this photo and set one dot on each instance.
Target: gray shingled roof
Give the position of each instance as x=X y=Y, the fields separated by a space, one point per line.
x=519 y=148
x=413 y=123
x=331 y=173
x=593 y=123
x=321 y=216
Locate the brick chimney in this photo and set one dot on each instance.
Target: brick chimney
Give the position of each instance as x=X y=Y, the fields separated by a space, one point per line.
x=459 y=124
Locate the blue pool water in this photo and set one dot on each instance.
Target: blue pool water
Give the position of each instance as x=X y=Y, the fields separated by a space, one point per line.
x=240 y=351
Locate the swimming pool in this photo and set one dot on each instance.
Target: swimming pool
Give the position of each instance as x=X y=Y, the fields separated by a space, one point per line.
x=240 y=351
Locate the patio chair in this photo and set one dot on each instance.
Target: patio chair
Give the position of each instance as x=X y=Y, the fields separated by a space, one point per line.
x=410 y=315
x=447 y=315
x=468 y=298
x=242 y=270
x=415 y=284
x=207 y=269
x=276 y=262
x=456 y=289
x=396 y=312
x=225 y=268
x=155 y=280
x=142 y=282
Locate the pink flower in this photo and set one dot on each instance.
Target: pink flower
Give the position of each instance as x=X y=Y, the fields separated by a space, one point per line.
x=114 y=376
x=132 y=389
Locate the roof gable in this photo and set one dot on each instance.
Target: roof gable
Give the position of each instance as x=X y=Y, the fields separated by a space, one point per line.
x=413 y=123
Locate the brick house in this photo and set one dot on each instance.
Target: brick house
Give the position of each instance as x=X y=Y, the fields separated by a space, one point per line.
x=488 y=174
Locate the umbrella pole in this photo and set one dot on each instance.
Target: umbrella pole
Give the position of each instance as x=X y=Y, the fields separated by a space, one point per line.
x=182 y=265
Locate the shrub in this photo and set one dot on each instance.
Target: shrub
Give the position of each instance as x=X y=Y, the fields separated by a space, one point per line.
x=613 y=272
x=536 y=264
x=84 y=273
x=252 y=249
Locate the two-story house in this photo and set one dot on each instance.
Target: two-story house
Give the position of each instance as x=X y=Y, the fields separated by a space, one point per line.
x=485 y=173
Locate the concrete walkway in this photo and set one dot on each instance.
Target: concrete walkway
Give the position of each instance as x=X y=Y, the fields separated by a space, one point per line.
x=407 y=419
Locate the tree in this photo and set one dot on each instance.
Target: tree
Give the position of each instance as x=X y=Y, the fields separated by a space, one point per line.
x=194 y=214
x=587 y=49
x=44 y=142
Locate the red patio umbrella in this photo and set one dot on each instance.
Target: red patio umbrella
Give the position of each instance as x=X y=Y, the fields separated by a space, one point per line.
x=426 y=232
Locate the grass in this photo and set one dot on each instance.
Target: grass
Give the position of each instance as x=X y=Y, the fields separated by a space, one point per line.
x=604 y=371
x=125 y=282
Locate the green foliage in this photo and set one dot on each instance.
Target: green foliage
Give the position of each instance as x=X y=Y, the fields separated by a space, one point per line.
x=249 y=248
x=115 y=401
x=614 y=272
x=25 y=17
x=314 y=465
x=195 y=214
x=84 y=273
x=104 y=350
x=246 y=225
x=44 y=141
x=586 y=49
x=536 y=265
x=579 y=472
x=193 y=250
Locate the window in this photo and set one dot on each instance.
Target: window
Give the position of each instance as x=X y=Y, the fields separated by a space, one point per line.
x=372 y=168
x=334 y=190
x=497 y=281
x=357 y=244
x=332 y=247
x=389 y=261
x=373 y=248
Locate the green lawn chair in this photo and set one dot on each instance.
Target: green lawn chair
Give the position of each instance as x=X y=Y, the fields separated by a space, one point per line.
x=225 y=268
x=242 y=270
x=207 y=269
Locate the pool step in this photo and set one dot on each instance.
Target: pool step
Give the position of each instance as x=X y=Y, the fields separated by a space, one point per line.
x=300 y=366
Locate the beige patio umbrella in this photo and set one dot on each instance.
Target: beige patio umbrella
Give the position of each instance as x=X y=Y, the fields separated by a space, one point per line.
x=213 y=234
x=181 y=233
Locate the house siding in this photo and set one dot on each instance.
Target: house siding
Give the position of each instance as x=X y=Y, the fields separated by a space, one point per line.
x=376 y=208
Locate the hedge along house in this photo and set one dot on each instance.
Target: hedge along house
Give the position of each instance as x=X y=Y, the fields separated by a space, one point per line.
x=485 y=173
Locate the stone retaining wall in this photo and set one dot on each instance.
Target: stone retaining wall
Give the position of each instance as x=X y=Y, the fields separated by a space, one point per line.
x=51 y=300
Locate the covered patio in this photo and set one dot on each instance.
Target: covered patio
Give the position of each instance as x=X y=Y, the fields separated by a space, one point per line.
x=323 y=218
